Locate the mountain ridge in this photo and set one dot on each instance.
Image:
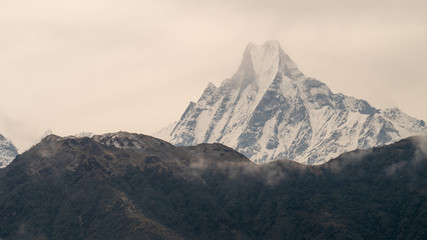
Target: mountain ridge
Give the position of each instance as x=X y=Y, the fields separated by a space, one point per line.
x=92 y=188
x=270 y=110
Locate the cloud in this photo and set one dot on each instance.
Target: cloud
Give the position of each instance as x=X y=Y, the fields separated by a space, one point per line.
x=421 y=149
x=412 y=165
x=271 y=174
x=338 y=164
x=17 y=130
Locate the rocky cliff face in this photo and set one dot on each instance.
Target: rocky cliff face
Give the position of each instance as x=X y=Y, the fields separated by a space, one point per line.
x=270 y=110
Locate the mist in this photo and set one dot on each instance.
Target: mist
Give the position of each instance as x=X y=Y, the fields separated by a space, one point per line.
x=105 y=66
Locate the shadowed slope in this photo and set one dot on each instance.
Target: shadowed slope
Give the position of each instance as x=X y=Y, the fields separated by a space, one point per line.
x=130 y=186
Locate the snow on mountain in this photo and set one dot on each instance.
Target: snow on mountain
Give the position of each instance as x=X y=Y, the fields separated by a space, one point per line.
x=164 y=132
x=121 y=140
x=8 y=151
x=84 y=134
x=269 y=110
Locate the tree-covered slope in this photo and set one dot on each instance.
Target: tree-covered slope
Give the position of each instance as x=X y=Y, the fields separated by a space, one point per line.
x=129 y=186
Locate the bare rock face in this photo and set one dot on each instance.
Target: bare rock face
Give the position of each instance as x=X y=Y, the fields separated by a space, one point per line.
x=270 y=110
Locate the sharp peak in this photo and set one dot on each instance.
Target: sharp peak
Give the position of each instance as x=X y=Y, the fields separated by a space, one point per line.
x=260 y=58
x=268 y=48
x=274 y=44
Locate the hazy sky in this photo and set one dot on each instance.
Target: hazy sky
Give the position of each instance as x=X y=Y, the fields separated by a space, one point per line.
x=132 y=65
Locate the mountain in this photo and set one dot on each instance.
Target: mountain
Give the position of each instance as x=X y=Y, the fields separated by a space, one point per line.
x=270 y=110
x=132 y=186
x=8 y=151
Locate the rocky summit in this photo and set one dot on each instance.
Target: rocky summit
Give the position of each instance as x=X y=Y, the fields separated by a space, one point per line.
x=270 y=110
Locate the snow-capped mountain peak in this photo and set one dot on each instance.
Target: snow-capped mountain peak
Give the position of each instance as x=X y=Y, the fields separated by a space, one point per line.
x=259 y=66
x=8 y=151
x=270 y=110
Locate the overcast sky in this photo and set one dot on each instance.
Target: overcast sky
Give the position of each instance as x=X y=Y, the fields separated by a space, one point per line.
x=104 y=66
